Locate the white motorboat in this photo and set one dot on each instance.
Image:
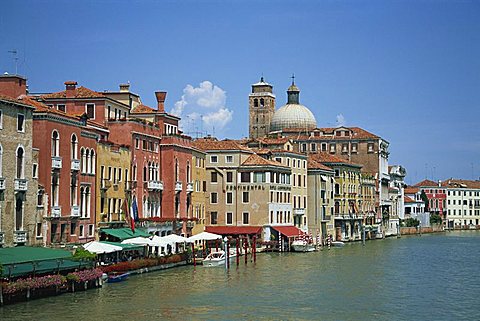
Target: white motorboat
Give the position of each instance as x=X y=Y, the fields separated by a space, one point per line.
x=216 y=258
x=337 y=244
x=302 y=246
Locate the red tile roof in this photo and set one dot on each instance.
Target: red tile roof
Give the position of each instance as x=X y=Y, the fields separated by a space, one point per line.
x=407 y=199
x=461 y=183
x=143 y=109
x=327 y=158
x=273 y=141
x=255 y=160
x=80 y=92
x=313 y=164
x=411 y=190
x=426 y=183
x=233 y=230
x=289 y=231
x=328 y=133
x=207 y=144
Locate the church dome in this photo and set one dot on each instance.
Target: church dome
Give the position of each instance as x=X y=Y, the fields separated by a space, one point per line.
x=293 y=114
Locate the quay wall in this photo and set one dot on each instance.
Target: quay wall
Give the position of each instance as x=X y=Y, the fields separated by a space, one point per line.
x=416 y=230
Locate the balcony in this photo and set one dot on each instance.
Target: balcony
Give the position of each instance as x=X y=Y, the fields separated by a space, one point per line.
x=56 y=211
x=298 y=211
x=2 y=184
x=106 y=184
x=20 y=237
x=155 y=185
x=190 y=224
x=56 y=162
x=21 y=185
x=75 y=211
x=75 y=165
x=178 y=186
x=189 y=187
x=2 y=238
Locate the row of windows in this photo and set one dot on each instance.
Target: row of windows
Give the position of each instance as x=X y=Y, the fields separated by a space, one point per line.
x=464 y=193
x=229 y=218
x=465 y=212
x=228 y=159
x=116 y=113
x=296 y=163
x=147 y=145
x=332 y=147
x=20 y=122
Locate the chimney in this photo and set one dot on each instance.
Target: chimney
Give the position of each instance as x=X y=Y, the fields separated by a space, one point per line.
x=70 y=88
x=124 y=88
x=13 y=85
x=161 y=100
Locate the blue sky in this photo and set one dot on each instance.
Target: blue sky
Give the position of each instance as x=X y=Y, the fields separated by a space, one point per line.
x=408 y=71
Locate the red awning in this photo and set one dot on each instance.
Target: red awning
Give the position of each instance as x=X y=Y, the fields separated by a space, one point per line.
x=233 y=230
x=289 y=231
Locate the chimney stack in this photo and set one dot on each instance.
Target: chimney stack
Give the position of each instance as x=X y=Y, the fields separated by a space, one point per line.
x=124 y=88
x=70 y=88
x=13 y=85
x=161 y=100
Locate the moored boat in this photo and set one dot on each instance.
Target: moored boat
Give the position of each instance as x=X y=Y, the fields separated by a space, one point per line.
x=113 y=278
x=216 y=258
x=337 y=244
x=302 y=246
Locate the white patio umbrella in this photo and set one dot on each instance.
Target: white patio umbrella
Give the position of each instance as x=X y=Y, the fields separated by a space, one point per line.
x=139 y=241
x=173 y=238
x=159 y=241
x=204 y=236
x=100 y=248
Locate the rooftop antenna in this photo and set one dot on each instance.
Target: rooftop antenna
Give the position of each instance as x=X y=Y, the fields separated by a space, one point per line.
x=15 y=57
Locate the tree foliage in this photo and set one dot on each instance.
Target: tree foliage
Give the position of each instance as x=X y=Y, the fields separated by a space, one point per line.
x=425 y=200
x=435 y=219
x=83 y=255
x=412 y=222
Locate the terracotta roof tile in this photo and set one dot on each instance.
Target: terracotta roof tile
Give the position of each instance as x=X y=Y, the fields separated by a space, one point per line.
x=143 y=109
x=461 y=183
x=411 y=190
x=80 y=92
x=426 y=183
x=329 y=158
x=313 y=164
x=256 y=160
x=273 y=141
x=407 y=199
x=207 y=144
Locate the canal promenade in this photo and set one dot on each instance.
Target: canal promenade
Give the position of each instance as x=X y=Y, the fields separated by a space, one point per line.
x=432 y=277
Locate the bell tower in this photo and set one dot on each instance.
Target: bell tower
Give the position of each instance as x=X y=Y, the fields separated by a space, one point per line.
x=261 y=108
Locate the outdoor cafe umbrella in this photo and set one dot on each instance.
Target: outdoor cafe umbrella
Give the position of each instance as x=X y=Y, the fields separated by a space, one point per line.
x=101 y=248
x=204 y=236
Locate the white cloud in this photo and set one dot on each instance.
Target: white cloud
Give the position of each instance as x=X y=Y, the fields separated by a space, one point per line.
x=341 y=120
x=206 y=104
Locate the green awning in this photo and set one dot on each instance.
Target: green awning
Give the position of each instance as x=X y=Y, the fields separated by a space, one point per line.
x=125 y=247
x=123 y=233
x=23 y=260
x=21 y=254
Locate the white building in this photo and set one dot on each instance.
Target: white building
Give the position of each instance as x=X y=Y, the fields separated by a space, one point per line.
x=463 y=203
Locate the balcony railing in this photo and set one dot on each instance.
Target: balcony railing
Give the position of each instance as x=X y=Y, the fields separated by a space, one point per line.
x=56 y=211
x=21 y=185
x=178 y=186
x=298 y=211
x=2 y=238
x=56 y=162
x=20 y=237
x=2 y=183
x=155 y=185
x=75 y=165
x=189 y=187
x=75 y=211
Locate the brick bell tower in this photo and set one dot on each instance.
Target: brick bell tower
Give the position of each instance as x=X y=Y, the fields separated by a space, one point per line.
x=261 y=109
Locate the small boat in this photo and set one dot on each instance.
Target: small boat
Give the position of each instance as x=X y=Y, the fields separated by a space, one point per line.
x=302 y=246
x=113 y=278
x=216 y=258
x=337 y=244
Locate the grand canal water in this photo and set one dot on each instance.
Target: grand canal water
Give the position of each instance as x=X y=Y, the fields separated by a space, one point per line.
x=432 y=277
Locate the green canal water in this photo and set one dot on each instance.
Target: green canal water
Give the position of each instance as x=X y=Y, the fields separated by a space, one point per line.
x=432 y=277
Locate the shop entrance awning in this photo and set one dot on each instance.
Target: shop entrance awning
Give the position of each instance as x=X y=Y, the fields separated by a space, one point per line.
x=233 y=230
x=288 y=231
x=123 y=233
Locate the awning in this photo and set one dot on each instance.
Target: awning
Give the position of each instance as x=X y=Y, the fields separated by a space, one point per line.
x=233 y=230
x=101 y=248
x=289 y=231
x=123 y=233
x=204 y=236
x=125 y=246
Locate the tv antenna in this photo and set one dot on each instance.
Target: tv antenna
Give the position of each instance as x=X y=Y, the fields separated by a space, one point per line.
x=14 y=52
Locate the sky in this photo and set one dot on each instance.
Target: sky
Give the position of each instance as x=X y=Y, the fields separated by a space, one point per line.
x=408 y=71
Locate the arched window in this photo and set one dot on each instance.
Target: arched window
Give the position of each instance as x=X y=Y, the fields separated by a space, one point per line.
x=262 y=102
x=82 y=201
x=150 y=171
x=55 y=144
x=88 y=167
x=87 y=201
x=255 y=102
x=144 y=173
x=92 y=161
x=176 y=170
x=134 y=173
x=188 y=172
x=84 y=160
x=337 y=207
x=20 y=162
x=74 y=147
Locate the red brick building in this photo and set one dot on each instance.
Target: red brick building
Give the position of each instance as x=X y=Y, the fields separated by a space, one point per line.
x=436 y=194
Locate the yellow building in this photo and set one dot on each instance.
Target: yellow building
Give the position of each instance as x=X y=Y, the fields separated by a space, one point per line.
x=199 y=179
x=113 y=183
x=346 y=194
